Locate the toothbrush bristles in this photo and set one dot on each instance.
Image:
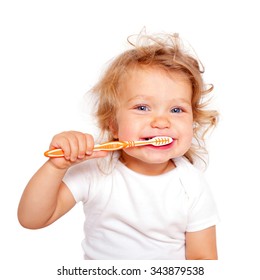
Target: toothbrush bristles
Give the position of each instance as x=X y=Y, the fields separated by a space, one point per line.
x=161 y=141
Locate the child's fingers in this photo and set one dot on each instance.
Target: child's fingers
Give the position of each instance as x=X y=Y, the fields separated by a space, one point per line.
x=73 y=138
x=61 y=141
x=80 y=145
x=76 y=146
x=68 y=142
x=90 y=144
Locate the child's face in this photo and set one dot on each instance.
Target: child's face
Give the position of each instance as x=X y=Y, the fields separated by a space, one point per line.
x=154 y=103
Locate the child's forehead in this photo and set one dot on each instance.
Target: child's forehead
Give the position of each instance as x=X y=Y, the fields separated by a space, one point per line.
x=139 y=71
x=146 y=82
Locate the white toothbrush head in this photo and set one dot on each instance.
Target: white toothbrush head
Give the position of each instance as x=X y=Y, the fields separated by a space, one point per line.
x=160 y=140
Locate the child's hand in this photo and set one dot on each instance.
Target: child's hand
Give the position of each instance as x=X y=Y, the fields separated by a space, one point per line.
x=77 y=147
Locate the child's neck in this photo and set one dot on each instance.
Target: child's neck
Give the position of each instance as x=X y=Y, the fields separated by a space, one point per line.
x=150 y=169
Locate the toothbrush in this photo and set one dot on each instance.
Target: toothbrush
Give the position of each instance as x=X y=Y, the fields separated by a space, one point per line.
x=118 y=145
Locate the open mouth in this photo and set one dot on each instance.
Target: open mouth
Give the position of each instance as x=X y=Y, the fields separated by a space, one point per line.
x=151 y=137
x=147 y=138
x=159 y=141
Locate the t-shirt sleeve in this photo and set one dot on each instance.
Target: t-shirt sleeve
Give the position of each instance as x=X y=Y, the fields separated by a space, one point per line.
x=77 y=179
x=203 y=211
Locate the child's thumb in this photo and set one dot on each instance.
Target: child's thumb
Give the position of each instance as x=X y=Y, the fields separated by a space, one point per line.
x=98 y=154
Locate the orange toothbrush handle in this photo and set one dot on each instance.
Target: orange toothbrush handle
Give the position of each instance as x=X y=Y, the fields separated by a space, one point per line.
x=54 y=153
x=112 y=146
x=108 y=146
x=118 y=145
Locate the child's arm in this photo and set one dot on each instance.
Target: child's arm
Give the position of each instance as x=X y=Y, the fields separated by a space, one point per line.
x=201 y=245
x=46 y=198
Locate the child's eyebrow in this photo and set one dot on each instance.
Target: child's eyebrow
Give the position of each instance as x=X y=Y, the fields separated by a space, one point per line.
x=150 y=97
x=139 y=97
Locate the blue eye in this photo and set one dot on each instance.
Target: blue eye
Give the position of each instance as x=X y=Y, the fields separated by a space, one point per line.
x=142 y=108
x=176 y=110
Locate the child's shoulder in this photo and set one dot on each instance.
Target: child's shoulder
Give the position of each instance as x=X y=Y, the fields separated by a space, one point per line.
x=191 y=177
x=184 y=164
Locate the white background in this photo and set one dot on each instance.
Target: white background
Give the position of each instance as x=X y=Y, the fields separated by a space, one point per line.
x=53 y=51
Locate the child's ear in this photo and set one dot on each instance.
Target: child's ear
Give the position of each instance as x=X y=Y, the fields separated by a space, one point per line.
x=113 y=128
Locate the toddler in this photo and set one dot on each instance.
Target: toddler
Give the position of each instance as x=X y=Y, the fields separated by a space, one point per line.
x=145 y=202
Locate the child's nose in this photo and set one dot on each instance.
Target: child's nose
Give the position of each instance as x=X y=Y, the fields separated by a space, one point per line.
x=160 y=122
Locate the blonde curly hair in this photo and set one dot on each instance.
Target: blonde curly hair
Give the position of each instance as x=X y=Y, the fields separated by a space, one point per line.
x=166 y=52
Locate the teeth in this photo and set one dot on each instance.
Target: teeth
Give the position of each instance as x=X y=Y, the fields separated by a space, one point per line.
x=149 y=138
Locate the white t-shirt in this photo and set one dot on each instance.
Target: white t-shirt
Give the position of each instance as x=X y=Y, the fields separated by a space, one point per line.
x=134 y=216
